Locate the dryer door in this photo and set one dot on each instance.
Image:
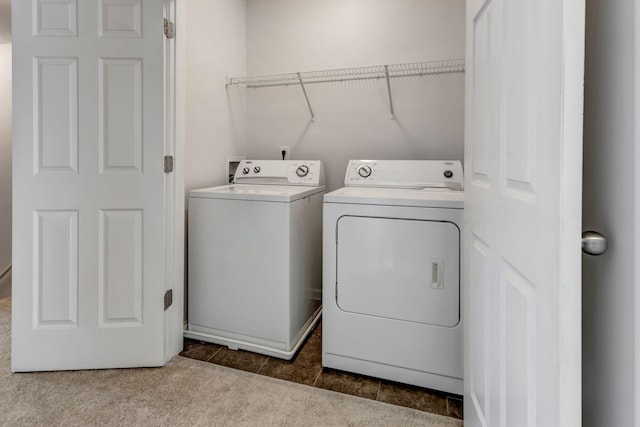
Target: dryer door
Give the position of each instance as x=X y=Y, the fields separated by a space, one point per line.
x=400 y=269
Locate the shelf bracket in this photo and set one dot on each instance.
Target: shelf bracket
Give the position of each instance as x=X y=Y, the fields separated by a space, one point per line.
x=306 y=97
x=386 y=72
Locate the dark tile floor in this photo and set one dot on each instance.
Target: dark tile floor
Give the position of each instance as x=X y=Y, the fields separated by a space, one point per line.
x=306 y=368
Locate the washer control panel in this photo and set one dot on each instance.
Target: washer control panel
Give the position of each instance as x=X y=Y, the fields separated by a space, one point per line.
x=405 y=174
x=280 y=172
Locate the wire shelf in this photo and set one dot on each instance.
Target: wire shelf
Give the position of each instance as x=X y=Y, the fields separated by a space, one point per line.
x=416 y=69
x=386 y=72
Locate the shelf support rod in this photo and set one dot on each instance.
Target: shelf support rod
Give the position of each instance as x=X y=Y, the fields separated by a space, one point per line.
x=386 y=72
x=306 y=97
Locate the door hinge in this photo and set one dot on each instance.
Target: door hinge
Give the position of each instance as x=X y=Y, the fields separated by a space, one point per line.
x=168 y=298
x=168 y=164
x=169 y=32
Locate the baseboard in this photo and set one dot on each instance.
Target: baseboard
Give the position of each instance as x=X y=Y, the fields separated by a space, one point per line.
x=5 y=285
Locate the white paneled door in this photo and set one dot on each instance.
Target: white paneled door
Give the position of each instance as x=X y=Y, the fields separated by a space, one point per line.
x=89 y=245
x=522 y=258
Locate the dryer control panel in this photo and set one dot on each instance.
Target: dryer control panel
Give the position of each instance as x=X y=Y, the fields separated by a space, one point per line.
x=309 y=173
x=405 y=174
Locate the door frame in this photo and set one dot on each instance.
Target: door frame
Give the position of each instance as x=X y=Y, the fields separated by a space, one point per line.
x=174 y=185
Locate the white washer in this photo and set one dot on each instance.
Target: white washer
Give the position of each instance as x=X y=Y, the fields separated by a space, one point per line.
x=255 y=257
x=391 y=275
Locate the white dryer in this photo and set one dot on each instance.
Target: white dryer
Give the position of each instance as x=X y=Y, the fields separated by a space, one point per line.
x=391 y=273
x=255 y=257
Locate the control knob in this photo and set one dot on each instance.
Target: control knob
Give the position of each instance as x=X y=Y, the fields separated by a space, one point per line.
x=448 y=174
x=302 y=171
x=364 y=171
x=256 y=169
x=245 y=170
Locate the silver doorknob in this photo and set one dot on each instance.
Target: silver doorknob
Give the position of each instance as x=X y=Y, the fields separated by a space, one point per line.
x=593 y=243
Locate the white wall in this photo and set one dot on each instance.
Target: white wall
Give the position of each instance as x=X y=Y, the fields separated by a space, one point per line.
x=611 y=199
x=352 y=118
x=5 y=145
x=215 y=40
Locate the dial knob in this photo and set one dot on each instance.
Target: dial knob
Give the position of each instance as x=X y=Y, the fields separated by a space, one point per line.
x=302 y=171
x=364 y=171
x=448 y=174
x=245 y=170
x=256 y=169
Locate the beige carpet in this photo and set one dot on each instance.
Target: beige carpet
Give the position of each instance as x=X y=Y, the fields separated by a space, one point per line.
x=186 y=392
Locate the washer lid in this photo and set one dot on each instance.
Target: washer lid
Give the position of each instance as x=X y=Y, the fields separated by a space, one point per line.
x=428 y=197
x=267 y=193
